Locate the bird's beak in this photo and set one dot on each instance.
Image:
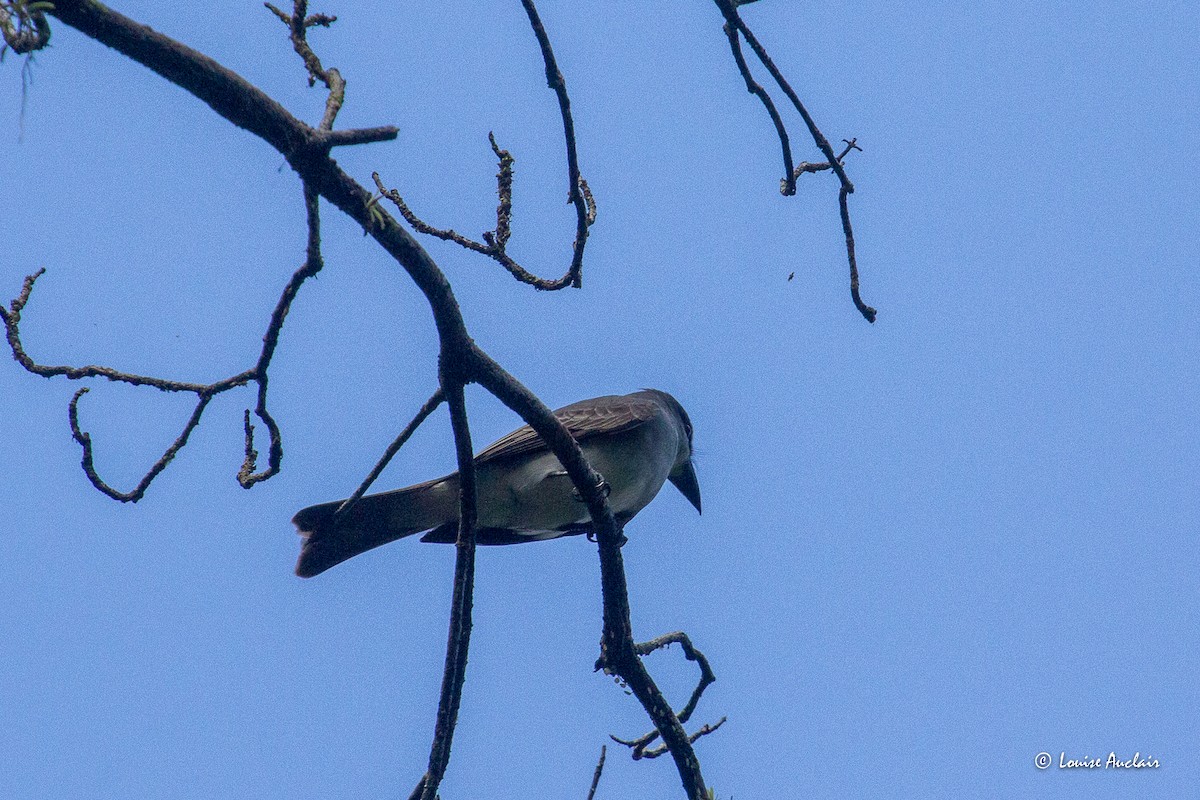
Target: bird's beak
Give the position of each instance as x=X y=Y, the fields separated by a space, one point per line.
x=684 y=478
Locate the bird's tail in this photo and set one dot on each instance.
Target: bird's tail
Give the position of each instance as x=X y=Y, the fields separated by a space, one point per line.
x=373 y=521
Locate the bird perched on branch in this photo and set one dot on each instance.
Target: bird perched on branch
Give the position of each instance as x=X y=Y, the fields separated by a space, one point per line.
x=636 y=442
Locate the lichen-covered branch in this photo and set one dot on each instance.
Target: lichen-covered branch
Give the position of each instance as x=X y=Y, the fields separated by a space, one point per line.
x=23 y=26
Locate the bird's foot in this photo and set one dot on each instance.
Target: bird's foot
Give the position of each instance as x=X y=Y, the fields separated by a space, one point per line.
x=602 y=485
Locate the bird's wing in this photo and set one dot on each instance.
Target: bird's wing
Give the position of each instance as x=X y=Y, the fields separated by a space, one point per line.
x=601 y=415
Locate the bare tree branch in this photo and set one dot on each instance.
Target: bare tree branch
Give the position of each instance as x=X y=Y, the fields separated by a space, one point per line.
x=596 y=774
x=638 y=746
x=461 y=360
x=430 y=406
x=707 y=677
x=313 y=263
x=787 y=185
x=204 y=392
x=89 y=468
x=578 y=192
x=735 y=25
x=464 y=584
x=298 y=23
x=495 y=242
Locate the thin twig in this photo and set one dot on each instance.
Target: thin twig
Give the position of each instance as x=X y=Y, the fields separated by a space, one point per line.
x=313 y=263
x=596 y=774
x=12 y=320
x=820 y=166
x=639 y=752
x=585 y=210
x=734 y=25
x=431 y=404
x=733 y=18
x=89 y=468
x=204 y=392
x=298 y=24
x=787 y=185
x=844 y=206
x=691 y=653
x=495 y=242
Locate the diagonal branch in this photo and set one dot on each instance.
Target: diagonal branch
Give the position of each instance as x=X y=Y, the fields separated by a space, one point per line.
x=430 y=406
x=596 y=774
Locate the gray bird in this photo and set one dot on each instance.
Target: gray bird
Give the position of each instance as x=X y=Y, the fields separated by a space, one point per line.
x=636 y=442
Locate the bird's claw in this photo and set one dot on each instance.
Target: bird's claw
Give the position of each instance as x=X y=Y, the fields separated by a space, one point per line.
x=602 y=485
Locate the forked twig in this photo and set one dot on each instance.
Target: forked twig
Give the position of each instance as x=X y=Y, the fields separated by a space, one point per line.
x=313 y=263
x=735 y=25
x=298 y=22
x=787 y=185
x=577 y=189
x=204 y=392
x=494 y=244
x=639 y=745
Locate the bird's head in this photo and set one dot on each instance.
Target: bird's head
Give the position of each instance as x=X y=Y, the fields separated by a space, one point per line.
x=683 y=475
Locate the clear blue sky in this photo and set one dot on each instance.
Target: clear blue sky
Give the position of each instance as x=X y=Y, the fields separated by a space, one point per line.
x=931 y=549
